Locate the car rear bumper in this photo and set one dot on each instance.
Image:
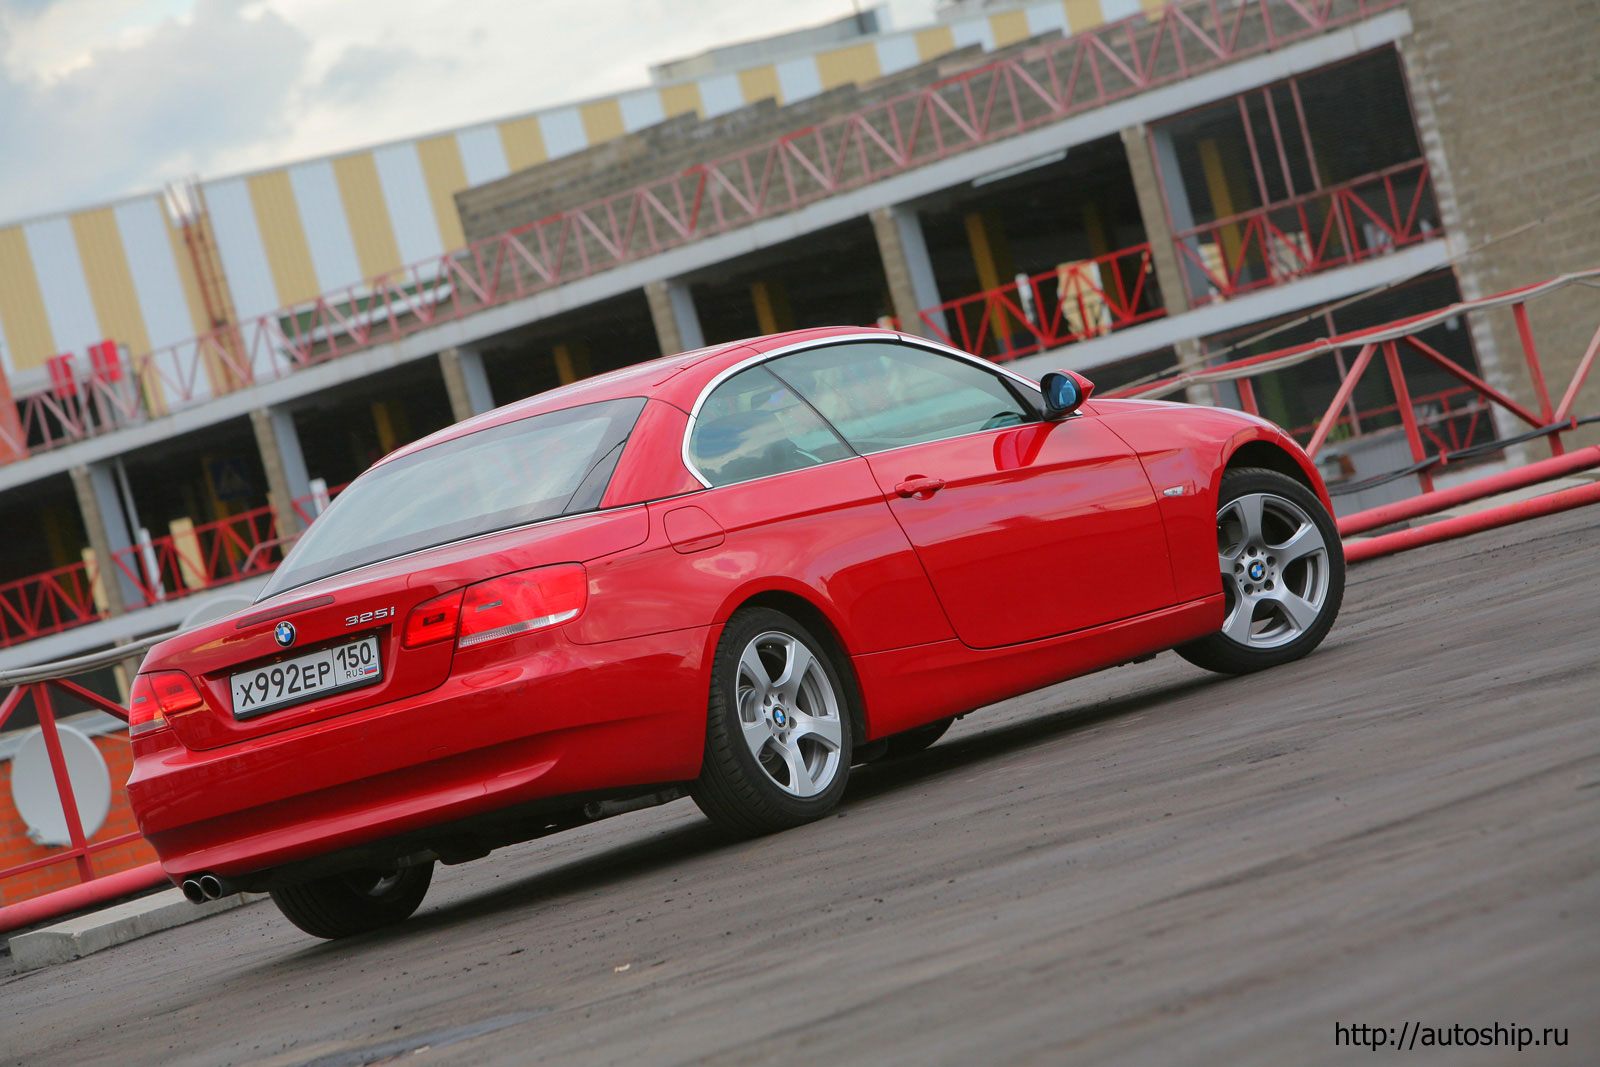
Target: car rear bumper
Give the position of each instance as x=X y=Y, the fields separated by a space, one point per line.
x=576 y=719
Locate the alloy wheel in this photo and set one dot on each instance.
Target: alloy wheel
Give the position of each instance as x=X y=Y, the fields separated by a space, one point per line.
x=789 y=713
x=1275 y=569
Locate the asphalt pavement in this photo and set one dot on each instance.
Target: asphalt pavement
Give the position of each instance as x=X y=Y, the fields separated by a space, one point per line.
x=1149 y=865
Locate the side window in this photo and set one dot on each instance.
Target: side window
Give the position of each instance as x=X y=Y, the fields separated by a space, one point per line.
x=881 y=395
x=752 y=425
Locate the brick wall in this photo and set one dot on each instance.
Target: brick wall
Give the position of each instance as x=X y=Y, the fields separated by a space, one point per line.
x=15 y=848
x=1506 y=92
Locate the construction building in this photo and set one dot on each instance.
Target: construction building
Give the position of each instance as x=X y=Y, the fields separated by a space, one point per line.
x=1122 y=187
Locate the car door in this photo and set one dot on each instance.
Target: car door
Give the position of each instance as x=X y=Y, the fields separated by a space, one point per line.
x=1026 y=528
x=788 y=500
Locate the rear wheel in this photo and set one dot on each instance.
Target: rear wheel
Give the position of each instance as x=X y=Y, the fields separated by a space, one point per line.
x=1282 y=573
x=354 y=902
x=778 y=741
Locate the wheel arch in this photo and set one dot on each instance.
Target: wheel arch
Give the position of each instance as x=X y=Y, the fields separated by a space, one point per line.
x=1275 y=453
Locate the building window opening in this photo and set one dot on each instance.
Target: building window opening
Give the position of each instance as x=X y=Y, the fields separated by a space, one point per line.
x=1315 y=172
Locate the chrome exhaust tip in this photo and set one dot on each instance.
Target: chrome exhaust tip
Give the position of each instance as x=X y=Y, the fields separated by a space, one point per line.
x=192 y=890
x=210 y=886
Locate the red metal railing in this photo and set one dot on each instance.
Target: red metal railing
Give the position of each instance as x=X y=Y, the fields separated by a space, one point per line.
x=212 y=554
x=172 y=566
x=1073 y=302
x=1547 y=420
x=1449 y=418
x=308 y=507
x=79 y=851
x=978 y=107
x=1362 y=218
x=47 y=603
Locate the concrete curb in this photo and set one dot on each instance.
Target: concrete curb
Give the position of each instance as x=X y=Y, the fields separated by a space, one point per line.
x=88 y=934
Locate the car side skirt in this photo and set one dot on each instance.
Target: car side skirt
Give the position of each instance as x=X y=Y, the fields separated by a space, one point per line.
x=908 y=687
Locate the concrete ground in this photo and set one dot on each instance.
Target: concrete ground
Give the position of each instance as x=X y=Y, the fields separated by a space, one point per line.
x=1151 y=865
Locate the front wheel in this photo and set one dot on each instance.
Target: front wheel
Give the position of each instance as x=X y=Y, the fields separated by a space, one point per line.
x=778 y=739
x=1282 y=574
x=354 y=902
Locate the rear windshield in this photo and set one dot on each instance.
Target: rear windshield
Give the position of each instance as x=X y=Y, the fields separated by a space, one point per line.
x=536 y=468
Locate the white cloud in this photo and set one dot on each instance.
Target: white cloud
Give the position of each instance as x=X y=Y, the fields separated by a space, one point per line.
x=101 y=98
x=129 y=117
x=49 y=39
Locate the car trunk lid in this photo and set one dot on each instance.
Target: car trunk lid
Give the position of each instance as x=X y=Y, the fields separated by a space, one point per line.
x=372 y=602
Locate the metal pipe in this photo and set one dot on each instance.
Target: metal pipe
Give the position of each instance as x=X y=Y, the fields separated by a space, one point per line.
x=1504 y=515
x=1408 y=413
x=1564 y=409
x=1291 y=357
x=64 y=791
x=210 y=885
x=1346 y=390
x=1429 y=503
x=191 y=889
x=78 y=897
x=66 y=668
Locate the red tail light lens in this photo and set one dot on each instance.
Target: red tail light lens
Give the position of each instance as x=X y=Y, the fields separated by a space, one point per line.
x=157 y=695
x=432 y=621
x=522 y=602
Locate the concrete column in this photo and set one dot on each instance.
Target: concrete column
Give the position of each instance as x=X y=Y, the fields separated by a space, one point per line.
x=1150 y=169
x=1153 y=213
x=572 y=361
x=103 y=518
x=991 y=255
x=673 y=312
x=13 y=442
x=284 y=463
x=770 y=301
x=908 y=269
x=466 y=382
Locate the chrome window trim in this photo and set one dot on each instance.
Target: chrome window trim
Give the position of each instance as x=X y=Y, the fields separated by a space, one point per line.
x=822 y=342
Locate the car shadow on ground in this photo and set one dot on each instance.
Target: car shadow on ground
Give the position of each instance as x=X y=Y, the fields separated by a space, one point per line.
x=953 y=754
x=678 y=844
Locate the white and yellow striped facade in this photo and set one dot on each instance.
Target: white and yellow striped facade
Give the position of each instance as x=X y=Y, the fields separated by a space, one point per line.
x=287 y=234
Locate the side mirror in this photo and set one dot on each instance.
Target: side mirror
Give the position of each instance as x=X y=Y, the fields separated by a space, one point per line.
x=1064 y=393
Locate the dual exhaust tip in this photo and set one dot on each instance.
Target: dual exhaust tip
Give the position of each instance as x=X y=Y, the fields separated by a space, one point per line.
x=202 y=888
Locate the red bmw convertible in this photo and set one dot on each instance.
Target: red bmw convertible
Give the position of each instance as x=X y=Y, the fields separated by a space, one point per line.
x=731 y=574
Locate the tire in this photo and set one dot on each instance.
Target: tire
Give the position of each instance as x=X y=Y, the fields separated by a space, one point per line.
x=778 y=747
x=342 y=905
x=1281 y=559
x=914 y=740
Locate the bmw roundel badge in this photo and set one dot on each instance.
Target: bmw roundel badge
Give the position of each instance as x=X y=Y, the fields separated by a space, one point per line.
x=284 y=634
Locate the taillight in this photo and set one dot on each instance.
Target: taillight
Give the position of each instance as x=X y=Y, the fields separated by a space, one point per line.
x=157 y=695
x=522 y=602
x=432 y=621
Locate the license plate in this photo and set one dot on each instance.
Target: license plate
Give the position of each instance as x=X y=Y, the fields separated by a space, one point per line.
x=294 y=681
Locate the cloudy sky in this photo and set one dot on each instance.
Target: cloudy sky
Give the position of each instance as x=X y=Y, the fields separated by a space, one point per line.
x=99 y=98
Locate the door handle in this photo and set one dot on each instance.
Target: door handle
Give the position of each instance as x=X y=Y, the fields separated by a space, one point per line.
x=919 y=486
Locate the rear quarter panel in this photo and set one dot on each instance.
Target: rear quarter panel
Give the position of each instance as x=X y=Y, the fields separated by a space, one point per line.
x=824 y=534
